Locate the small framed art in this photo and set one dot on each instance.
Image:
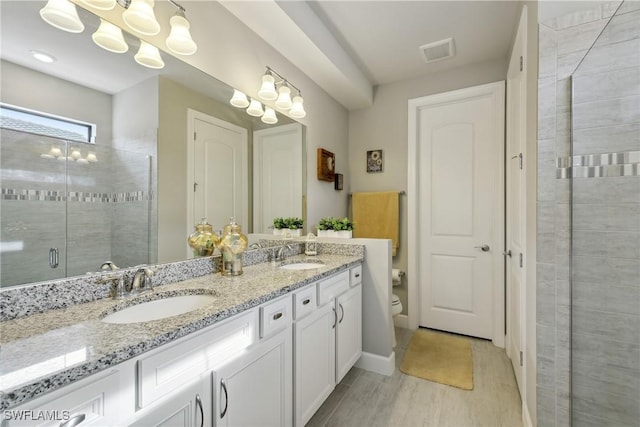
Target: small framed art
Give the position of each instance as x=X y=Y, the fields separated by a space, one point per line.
x=338 y=181
x=326 y=165
x=375 y=162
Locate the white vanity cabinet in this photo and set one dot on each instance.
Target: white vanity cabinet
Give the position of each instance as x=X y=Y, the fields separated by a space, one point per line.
x=191 y=406
x=327 y=341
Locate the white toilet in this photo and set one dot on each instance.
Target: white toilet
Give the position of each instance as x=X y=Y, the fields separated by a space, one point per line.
x=396 y=304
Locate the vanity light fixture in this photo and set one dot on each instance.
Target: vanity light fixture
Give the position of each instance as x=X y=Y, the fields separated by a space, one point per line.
x=109 y=37
x=63 y=15
x=239 y=99
x=269 y=116
x=179 y=40
x=75 y=154
x=140 y=18
x=99 y=4
x=149 y=56
x=283 y=94
x=91 y=157
x=255 y=108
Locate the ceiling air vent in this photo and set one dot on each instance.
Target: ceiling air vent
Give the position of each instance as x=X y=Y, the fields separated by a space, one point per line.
x=436 y=51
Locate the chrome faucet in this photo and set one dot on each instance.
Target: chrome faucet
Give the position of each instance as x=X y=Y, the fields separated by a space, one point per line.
x=281 y=253
x=142 y=280
x=109 y=266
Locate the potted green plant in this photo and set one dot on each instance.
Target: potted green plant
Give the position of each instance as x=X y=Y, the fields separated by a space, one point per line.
x=294 y=224
x=278 y=226
x=343 y=227
x=325 y=227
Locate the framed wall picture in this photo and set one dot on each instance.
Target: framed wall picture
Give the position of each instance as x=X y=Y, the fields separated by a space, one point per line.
x=375 y=162
x=326 y=165
x=339 y=181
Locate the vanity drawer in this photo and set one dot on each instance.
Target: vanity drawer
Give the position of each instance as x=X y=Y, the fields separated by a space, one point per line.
x=330 y=288
x=356 y=275
x=183 y=362
x=275 y=315
x=304 y=301
x=96 y=401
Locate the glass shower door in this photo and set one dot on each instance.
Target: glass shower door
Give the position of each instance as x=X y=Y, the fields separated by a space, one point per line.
x=33 y=208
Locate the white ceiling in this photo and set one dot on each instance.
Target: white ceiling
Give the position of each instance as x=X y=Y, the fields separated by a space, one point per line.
x=384 y=36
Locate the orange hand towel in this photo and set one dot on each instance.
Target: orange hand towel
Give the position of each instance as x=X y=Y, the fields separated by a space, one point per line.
x=376 y=216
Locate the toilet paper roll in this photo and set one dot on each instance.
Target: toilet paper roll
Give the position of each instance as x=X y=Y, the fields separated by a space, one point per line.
x=396 y=273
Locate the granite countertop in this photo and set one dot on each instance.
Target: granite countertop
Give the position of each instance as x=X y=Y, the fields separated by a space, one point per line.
x=43 y=352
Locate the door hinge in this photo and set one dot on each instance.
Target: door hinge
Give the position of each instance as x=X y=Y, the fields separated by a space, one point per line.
x=521 y=63
x=194 y=136
x=521 y=260
x=521 y=359
x=195 y=184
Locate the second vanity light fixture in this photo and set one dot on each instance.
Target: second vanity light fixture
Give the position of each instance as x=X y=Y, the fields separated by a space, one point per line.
x=139 y=17
x=268 y=92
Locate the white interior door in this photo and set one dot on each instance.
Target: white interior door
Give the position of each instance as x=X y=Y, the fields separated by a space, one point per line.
x=277 y=175
x=516 y=220
x=217 y=154
x=460 y=202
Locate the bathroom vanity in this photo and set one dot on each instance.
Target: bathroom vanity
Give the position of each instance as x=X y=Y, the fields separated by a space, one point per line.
x=268 y=350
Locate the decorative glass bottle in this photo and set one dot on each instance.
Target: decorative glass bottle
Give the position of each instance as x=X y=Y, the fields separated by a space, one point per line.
x=232 y=245
x=204 y=240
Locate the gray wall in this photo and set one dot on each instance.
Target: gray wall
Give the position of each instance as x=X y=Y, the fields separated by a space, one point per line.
x=384 y=126
x=589 y=319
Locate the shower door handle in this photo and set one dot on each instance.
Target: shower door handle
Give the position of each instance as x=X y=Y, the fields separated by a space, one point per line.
x=54 y=257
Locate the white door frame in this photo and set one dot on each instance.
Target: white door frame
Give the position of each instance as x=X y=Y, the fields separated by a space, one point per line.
x=192 y=115
x=415 y=105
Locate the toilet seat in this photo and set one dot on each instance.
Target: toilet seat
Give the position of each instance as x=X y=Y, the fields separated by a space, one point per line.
x=396 y=305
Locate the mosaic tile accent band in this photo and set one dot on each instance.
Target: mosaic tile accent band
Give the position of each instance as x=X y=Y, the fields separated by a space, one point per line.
x=599 y=165
x=74 y=196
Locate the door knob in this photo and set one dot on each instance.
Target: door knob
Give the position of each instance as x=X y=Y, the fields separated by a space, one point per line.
x=483 y=248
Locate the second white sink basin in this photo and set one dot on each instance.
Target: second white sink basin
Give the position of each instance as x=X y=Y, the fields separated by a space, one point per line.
x=301 y=266
x=159 y=309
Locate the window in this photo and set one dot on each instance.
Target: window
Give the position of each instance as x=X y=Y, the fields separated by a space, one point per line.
x=22 y=119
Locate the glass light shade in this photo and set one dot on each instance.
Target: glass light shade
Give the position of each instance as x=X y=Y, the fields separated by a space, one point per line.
x=268 y=89
x=100 y=4
x=239 y=99
x=179 y=40
x=269 y=116
x=149 y=56
x=140 y=17
x=255 y=109
x=75 y=154
x=284 y=98
x=109 y=37
x=55 y=151
x=297 y=109
x=63 y=15
x=91 y=157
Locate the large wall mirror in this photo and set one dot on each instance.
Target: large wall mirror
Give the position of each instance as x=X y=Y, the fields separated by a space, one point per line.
x=166 y=148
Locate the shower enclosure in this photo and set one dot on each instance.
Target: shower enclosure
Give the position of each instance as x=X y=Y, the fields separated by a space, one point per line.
x=67 y=207
x=605 y=226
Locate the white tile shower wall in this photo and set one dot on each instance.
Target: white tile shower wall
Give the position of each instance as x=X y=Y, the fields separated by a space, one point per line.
x=605 y=295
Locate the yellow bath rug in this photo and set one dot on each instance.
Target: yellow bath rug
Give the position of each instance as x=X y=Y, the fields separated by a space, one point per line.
x=439 y=357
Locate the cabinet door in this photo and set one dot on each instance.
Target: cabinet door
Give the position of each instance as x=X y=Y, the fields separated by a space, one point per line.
x=189 y=407
x=349 y=331
x=256 y=388
x=314 y=361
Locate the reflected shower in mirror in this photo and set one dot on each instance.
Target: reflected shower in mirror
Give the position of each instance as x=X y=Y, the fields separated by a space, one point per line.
x=137 y=203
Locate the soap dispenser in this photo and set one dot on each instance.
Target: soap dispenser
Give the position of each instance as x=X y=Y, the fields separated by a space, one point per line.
x=204 y=240
x=232 y=245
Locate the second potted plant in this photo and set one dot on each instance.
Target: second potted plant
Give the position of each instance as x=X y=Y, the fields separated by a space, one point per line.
x=283 y=225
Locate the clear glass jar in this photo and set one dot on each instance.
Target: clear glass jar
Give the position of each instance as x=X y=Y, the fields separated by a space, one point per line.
x=232 y=245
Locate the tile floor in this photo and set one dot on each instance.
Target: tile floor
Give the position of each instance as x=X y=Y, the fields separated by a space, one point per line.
x=367 y=399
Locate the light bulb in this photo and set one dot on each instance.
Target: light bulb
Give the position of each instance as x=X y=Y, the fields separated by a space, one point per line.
x=297 y=109
x=269 y=116
x=55 y=151
x=100 y=4
x=140 y=17
x=109 y=37
x=75 y=154
x=284 y=98
x=255 y=108
x=239 y=99
x=268 y=89
x=179 y=40
x=91 y=157
x=149 y=56
x=63 y=15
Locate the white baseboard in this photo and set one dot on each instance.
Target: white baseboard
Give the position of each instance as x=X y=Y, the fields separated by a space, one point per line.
x=378 y=364
x=401 y=321
x=526 y=416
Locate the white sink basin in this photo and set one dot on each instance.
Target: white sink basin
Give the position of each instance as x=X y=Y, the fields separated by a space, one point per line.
x=301 y=266
x=159 y=309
